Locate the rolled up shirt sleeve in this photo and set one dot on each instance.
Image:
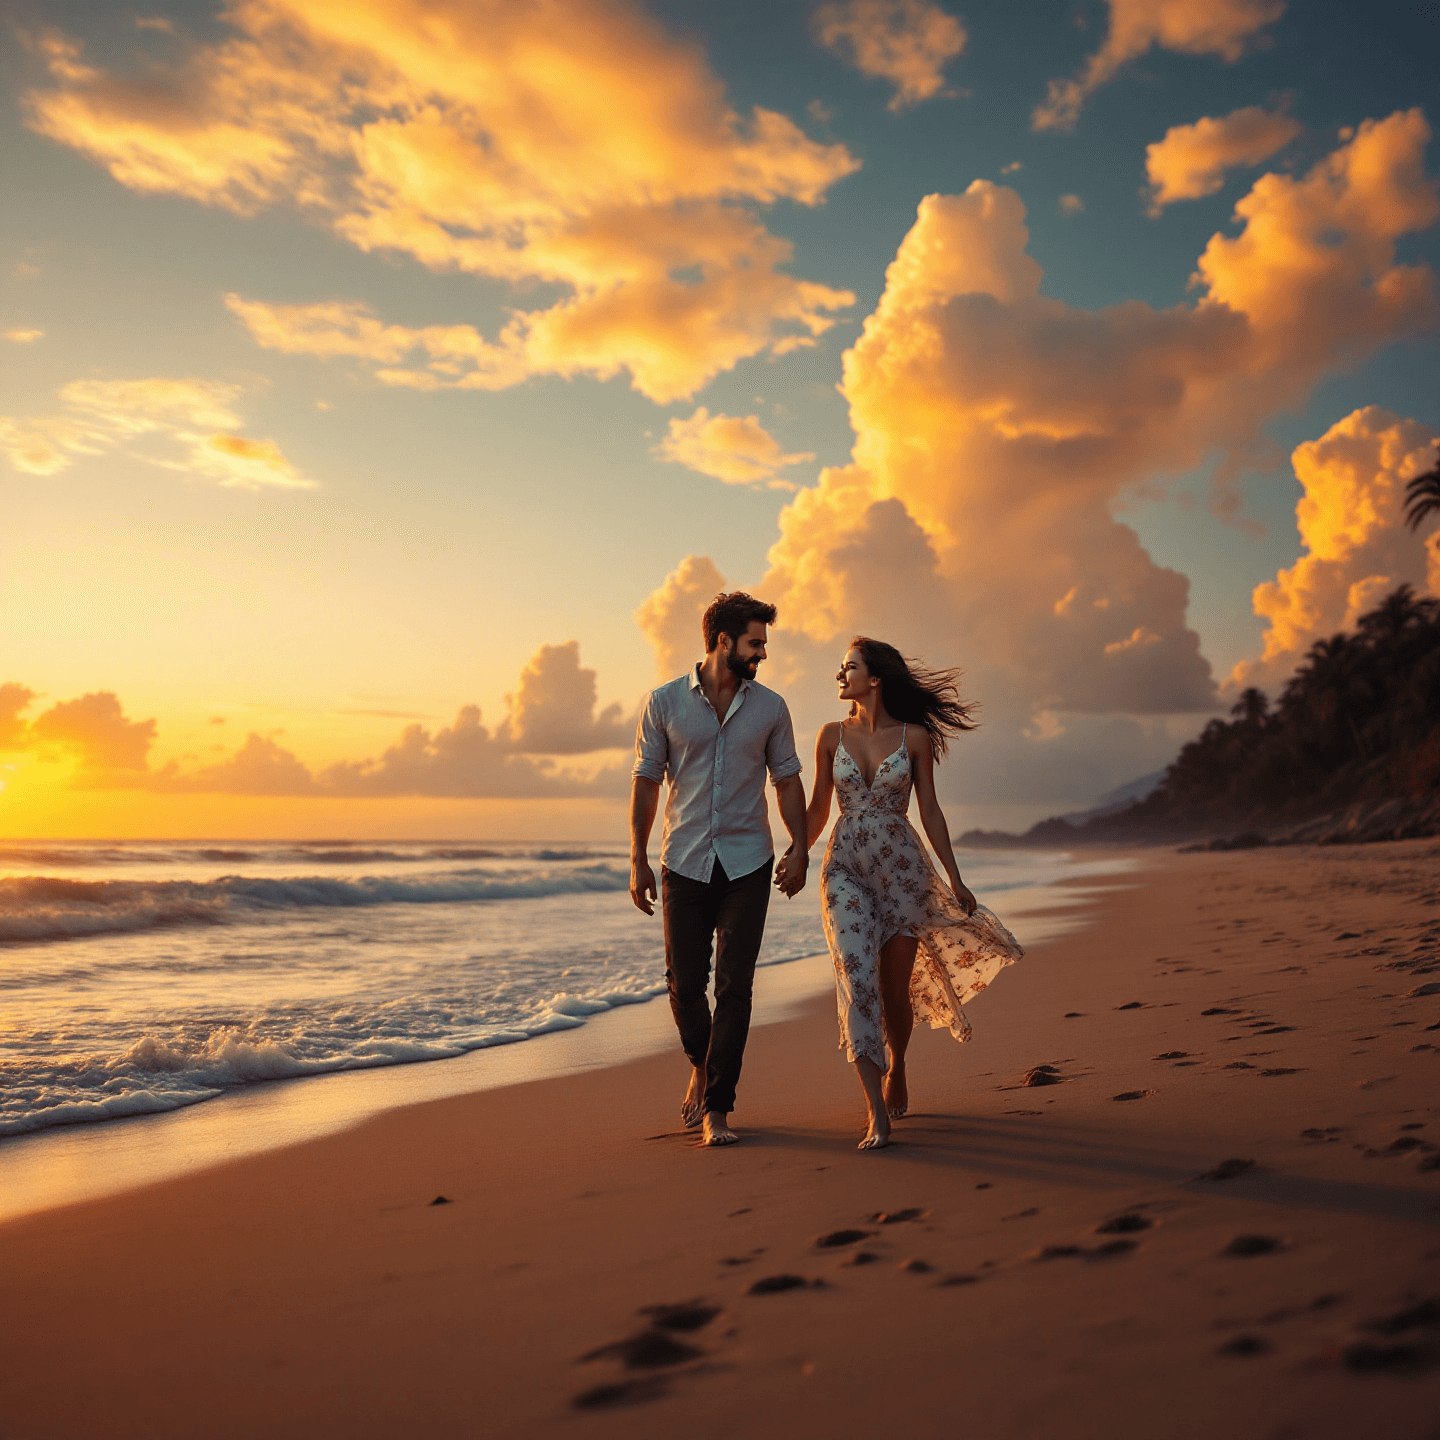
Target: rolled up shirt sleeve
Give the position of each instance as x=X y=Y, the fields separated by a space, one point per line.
x=652 y=748
x=780 y=757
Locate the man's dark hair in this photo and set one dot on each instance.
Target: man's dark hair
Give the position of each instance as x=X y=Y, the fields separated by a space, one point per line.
x=733 y=615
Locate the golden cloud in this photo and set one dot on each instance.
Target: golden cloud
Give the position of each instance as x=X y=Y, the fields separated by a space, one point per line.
x=102 y=414
x=95 y=731
x=996 y=429
x=503 y=139
x=1191 y=27
x=740 y=451
x=907 y=42
x=553 y=712
x=1351 y=523
x=670 y=617
x=1192 y=160
x=21 y=335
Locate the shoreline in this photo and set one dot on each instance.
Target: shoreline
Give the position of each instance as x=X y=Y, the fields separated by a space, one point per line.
x=1073 y=1258
x=66 y=1164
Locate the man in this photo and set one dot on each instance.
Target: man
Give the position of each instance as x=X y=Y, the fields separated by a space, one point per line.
x=715 y=733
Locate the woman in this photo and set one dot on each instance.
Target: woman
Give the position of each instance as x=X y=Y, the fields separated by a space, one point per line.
x=884 y=905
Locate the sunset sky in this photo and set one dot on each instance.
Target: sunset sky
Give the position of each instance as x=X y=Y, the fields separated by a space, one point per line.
x=388 y=384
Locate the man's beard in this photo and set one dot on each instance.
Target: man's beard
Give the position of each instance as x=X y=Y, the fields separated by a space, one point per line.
x=745 y=669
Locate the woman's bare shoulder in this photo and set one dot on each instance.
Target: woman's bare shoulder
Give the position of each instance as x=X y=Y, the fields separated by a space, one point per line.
x=829 y=734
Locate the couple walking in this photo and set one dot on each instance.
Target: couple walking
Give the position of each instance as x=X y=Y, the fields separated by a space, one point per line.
x=904 y=946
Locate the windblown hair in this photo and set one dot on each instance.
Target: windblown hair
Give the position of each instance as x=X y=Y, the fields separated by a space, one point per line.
x=733 y=615
x=916 y=695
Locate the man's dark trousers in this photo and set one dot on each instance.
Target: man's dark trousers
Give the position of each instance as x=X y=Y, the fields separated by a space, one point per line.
x=733 y=913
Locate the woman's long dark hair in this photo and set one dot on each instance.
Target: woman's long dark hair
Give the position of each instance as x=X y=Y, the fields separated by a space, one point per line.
x=916 y=695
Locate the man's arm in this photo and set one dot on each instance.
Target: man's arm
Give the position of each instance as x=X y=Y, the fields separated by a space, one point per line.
x=644 y=800
x=652 y=755
x=784 y=767
x=790 y=873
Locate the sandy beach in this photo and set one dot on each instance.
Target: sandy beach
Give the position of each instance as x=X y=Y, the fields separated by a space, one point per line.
x=1216 y=1214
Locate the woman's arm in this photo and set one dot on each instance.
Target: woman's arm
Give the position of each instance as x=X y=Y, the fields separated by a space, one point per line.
x=922 y=767
x=819 y=811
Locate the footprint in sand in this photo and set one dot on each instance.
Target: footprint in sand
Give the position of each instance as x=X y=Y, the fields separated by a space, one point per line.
x=654 y=1348
x=626 y=1392
x=1411 y=1342
x=1247 y=1246
x=1132 y=1095
x=1125 y=1225
x=775 y=1284
x=1244 y=1345
x=1228 y=1170
x=694 y=1315
x=897 y=1217
x=837 y=1238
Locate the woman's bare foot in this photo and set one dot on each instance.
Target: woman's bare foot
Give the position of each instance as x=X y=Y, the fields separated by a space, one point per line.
x=716 y=1130
x=897 y=1094
x=878 y=1135
x=692 y=1107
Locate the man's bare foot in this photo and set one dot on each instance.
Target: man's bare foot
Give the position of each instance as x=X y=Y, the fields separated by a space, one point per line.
x=897 y=1095
x=716 y=1129
x=878 y=1135
x=692 y=1107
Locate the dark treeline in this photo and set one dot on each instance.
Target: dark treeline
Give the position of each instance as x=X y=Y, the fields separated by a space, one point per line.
x=1358 y=720
x=1358 y=723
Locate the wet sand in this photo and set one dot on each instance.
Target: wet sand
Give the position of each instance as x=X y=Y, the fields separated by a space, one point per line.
x=1214 y=1210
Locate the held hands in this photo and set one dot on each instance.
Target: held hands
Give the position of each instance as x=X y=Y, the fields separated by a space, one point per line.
x=790 y=872
x=642 y=885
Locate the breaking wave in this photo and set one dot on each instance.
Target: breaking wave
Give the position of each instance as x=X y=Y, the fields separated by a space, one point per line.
x=44 y=908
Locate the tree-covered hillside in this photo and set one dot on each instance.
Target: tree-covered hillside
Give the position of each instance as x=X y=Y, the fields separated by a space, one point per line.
x=1358 y=723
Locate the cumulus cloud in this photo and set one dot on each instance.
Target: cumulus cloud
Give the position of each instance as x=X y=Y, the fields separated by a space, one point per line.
x=1071 y=205
x=14 y=701
x=1192 y=160
x=998 y=428
x=1356 y=545
x=907 y=42
x=509 y=139
x=1191 y=27
x=670 y=617
x=23 y=335
x=101 y=414
x=261 y=766
x=552 y=713
x=738 y=451
x=95 y=731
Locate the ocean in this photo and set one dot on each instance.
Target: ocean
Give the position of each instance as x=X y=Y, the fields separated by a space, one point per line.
x=141 y=977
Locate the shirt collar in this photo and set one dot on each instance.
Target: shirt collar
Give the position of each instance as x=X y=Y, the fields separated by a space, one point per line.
x=695 y=679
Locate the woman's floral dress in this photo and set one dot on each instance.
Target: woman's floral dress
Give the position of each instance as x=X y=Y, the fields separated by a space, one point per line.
x=877 y=882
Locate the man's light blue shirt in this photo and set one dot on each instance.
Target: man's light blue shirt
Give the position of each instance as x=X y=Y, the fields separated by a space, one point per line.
x=716 y=805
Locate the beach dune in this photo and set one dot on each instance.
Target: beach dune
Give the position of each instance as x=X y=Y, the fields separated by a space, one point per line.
x=1185 y=1181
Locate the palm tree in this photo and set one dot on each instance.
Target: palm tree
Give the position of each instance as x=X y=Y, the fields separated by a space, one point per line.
x=1422 y=494
x=1252 y=706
